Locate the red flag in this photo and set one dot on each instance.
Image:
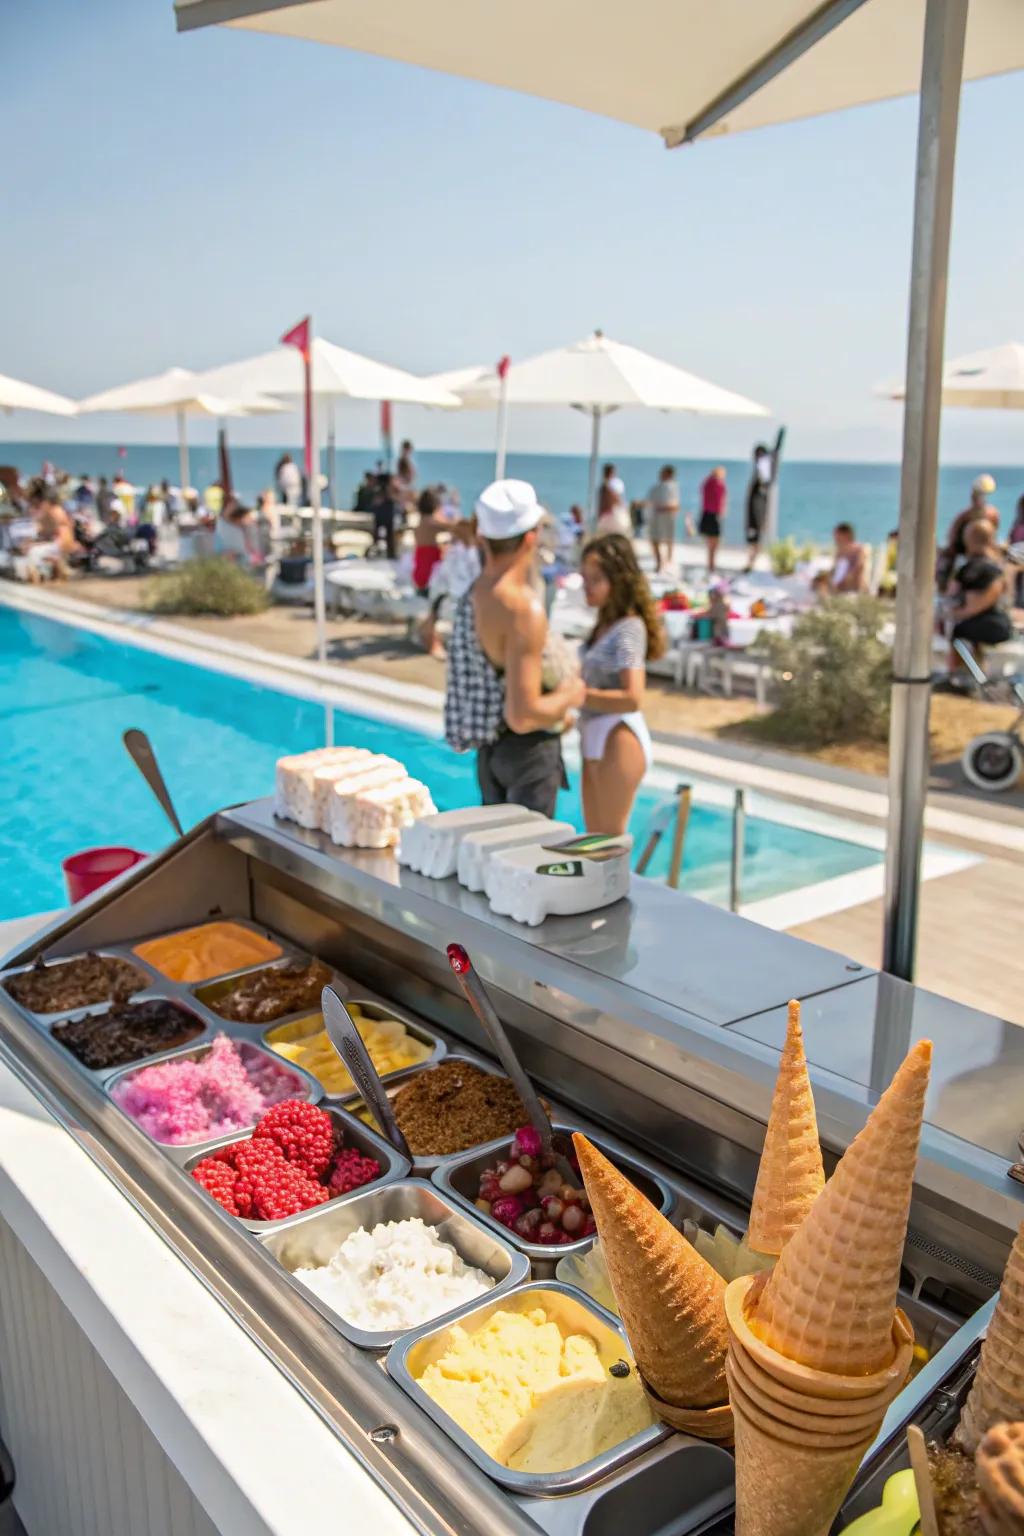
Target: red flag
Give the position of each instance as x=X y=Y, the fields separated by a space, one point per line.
x=385 y=431
x=299 y=337
x=504 y=364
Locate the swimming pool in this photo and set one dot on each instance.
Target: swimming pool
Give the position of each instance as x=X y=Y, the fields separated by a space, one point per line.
x=66 y=782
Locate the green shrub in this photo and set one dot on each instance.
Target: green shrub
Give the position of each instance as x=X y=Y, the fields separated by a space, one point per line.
x=784 y=555
x=832 y=675
x=212 y=586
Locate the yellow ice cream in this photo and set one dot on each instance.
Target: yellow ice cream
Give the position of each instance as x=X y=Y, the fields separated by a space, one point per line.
x=535 y=1399
x=308 y=1044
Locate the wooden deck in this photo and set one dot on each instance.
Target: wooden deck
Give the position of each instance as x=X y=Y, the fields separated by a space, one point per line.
x=970 y=940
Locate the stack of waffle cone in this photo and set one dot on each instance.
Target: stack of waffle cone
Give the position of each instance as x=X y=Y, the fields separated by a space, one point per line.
x=791 y=1175
x=671 y=1301
x=999 y=1464
x=998 y=1391
x=817 y=1347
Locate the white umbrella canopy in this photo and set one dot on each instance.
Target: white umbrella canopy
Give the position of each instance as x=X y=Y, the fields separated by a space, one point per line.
x=177 y=392
x=658 y=64
x=991 y=380
x=337 y=374
x=17 y=396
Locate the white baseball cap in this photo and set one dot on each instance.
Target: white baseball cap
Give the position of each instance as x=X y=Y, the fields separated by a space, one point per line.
x=507 y=508
x=984 y=485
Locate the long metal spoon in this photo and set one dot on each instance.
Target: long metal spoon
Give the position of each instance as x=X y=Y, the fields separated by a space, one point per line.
x=477 y=998
x=348 y=1043
x=142 y=755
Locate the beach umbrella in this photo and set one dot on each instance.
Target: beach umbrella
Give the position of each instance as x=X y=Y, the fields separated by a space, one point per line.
x=337 y=375
x=480 y=386
x=992 y=380
x=16 y=396
x=178 y=393
x=598 y=376
x=686 y=69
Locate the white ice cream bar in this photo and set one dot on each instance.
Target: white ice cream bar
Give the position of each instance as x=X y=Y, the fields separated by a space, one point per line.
x=378 y=816
x=294 y=780
x=431 y=846
x=530 y=883
x=341 y=795
x=326 y=775
x=478 y=848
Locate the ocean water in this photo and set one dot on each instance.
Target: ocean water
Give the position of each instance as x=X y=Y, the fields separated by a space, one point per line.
x=813 y=496
x=66 y=782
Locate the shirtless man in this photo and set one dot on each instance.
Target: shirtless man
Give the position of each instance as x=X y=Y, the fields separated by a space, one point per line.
x=496 y=701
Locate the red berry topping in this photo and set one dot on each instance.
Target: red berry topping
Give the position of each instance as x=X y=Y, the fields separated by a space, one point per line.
x=351 y=1169
x=304 y=1134
x=219 y=1179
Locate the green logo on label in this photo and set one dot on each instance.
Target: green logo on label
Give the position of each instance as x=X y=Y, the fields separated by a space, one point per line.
x=572 y=870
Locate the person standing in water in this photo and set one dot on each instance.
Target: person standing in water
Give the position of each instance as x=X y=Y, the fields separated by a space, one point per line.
x=498 y=701
x=614 y=738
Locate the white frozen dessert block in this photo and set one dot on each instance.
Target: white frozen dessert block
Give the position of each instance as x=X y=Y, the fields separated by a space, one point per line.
x=293 y=780
x=342 y=793
x=477 y=848
x=378 y=816
x=327 y=775
x=530 y=883
x=431 y=847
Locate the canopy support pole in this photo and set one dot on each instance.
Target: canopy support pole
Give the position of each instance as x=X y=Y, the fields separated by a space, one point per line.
x=319 y=607
x=332 y=457
x=941 y=78
x=595 y=446
x=183 y=470
x=501 y=450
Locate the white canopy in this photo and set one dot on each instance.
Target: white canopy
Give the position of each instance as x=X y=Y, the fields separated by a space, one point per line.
x=658 y=64
x=176 y=391
x=604 y=375
x=16 y=396
x=990 y=380
x=337 y=374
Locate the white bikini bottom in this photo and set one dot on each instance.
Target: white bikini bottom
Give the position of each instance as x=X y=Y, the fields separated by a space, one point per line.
x=596 y=729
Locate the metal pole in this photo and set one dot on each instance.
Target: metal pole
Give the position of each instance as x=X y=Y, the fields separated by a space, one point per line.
x=739 y=832
x=675 y=867
x=941 y=75
x=500 y=454
x=183 y=470
x=319 y=611
x=595 y=444
x=332 y=457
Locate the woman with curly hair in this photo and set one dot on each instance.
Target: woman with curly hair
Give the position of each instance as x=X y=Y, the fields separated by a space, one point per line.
x=615 y=741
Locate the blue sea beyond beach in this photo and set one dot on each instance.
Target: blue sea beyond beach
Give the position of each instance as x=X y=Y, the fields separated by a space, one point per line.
x=813 y=496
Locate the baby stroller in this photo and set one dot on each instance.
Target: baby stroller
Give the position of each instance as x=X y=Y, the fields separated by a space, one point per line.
x=994 y=760
x=121 y=544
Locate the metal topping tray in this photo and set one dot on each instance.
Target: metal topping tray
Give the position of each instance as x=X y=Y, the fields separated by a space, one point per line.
x=305 y=1087
x=312 y=1238
x=287 y=949
x=422 y=1164
x=151 y=978
x=100 y=1010
x=208 y=993
x=351 y=1132
x=372 y=1009
x=574 y=1313
x=459 y=1177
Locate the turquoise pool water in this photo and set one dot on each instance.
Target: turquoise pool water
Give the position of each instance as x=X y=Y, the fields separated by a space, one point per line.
x=67 y=783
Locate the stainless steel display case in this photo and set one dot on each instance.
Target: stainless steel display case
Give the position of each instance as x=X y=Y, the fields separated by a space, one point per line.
x=656 y=1020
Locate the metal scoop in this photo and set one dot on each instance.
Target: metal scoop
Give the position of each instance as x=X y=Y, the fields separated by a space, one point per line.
x=348 y=1043
x=142 y=755
x=478 y=1000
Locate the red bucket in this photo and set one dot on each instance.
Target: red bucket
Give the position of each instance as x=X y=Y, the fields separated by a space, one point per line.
x=85 y=872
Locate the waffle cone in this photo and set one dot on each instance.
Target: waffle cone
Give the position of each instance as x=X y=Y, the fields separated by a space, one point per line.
x=997 y=1395
x=999 y=1463
x=818 y=1432
x=787 y=1489
x=791 y=1175
x=672 y=1303
x=830 y=1300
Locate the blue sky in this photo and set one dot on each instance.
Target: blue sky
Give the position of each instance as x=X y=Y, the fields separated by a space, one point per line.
x=182 y=199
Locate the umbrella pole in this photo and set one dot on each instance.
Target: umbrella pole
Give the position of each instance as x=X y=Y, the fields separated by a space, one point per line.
x=941 y=77
x=319 y=609
x=502 y=444
x=182 y=449
x=332 y=457
x=595 y=446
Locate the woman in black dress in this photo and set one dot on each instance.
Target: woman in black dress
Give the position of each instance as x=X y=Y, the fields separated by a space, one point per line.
x=978 y=592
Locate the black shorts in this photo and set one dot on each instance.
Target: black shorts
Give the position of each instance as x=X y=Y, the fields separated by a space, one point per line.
x=710 y=525
x=757 y=511
x=524 y=770
x=992 y=628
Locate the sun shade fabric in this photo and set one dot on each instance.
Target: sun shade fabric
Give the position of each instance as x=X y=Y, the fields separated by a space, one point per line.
x=984 y=381
x=17 y=396
x=336 y=372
